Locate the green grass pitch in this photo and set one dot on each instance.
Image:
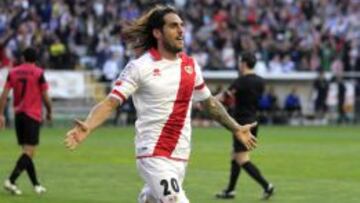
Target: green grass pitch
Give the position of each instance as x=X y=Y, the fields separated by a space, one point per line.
x=306 y=164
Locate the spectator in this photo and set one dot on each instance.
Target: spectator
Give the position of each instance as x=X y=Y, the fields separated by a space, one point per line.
x=287 y=65
x=228 y=56
x=272 y=28
x=342 y=117
x=111 y=68
x=275 y=65
x=337 y=66
x=268 y=106
x=320 y=90
x=293 y=104
x=199 y=54
x=314 y=61
x=57 y=54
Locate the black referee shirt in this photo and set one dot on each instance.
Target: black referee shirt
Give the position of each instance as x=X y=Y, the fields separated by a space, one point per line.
x=247 y=90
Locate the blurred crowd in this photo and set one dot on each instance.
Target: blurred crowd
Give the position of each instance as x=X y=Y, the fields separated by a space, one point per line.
x=287 y=35
x=331 y=100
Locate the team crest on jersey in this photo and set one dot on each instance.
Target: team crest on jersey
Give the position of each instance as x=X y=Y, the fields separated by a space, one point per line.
x=189 y=69
x=118 y=83
x=156 y=72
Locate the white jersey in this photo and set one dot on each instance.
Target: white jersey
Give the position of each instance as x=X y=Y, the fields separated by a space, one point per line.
x=162 y=92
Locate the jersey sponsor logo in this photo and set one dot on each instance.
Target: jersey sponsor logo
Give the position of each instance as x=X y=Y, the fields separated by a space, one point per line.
x=156 y=72
x=142 y=149
x=189 y=69
x=24 y=72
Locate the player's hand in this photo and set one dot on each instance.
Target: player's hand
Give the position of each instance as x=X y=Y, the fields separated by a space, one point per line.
x=220 y=96
x=244 y=135
x=76 y=135
x=2 y=122
x=49 y=117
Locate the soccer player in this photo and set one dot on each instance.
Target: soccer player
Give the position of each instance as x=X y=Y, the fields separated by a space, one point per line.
x=29 y=91
x=163 y=81
x=246 y=90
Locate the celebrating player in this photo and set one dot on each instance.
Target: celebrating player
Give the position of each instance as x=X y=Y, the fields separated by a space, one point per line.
x=163 y=81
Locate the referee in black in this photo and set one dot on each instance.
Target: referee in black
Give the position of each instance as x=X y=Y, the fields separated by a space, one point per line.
x=246 y=90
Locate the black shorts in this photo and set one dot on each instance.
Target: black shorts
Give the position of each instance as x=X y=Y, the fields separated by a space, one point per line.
x=239 y=146
x=27 y=129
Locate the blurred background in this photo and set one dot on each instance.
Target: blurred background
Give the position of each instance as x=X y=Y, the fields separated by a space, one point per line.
x=308 y=52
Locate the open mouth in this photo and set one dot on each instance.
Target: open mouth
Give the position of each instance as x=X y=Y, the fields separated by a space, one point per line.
x=180 y=38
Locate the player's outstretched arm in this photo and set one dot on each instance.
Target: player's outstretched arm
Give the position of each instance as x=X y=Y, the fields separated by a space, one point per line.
x=3 y=100
x=242 y=132
x=98 y=114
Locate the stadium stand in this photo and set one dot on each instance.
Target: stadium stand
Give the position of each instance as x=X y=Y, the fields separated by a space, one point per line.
x=288 y=36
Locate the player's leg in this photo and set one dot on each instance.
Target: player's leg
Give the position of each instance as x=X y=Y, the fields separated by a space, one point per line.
x=146 y=196
x=21 y=163
x=29 y=152
x=182 y=171
x=235 y=169
x=164 y=180
x=29 y=149
x=229 y=191
x=10 y=184
x=243 y=159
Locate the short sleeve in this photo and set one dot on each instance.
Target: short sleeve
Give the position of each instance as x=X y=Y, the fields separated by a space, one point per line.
x=8 y=83
x=127 y=83
x=201 y=91
x=43 y=83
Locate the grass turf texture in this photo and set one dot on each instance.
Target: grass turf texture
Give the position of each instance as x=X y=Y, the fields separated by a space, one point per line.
x=306 y=164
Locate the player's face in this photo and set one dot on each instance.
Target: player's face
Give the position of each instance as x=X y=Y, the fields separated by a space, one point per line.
x=172 y=33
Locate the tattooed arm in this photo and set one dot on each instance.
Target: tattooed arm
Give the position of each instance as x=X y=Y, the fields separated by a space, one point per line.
x=218 y=113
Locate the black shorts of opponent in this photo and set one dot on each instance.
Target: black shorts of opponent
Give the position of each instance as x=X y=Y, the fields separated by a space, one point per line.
x=27 y=129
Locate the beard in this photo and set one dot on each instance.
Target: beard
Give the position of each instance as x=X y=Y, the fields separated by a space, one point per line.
x=172 y=48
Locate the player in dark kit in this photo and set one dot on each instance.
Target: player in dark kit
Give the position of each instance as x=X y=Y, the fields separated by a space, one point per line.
x=246 y=90
x=29 y=91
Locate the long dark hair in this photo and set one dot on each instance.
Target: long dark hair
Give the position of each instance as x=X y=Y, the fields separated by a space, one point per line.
x=139 y=33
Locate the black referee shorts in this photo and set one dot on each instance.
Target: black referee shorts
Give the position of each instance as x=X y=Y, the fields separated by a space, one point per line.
x=239 y=146
x=27 y=129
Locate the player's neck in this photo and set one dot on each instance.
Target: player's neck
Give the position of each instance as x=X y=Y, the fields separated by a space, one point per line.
x=29 y=63
x=167 y=54
x=248 y=72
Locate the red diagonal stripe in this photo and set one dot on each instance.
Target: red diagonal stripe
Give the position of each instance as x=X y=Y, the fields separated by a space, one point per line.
x=171 y=131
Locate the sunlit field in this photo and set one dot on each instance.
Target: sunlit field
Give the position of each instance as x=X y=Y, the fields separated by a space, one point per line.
x=306 y=164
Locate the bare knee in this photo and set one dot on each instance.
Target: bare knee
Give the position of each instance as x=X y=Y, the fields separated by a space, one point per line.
x=29 y=150
x=241 y=157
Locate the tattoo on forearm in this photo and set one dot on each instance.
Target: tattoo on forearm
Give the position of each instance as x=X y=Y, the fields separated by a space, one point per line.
x=219 y=113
